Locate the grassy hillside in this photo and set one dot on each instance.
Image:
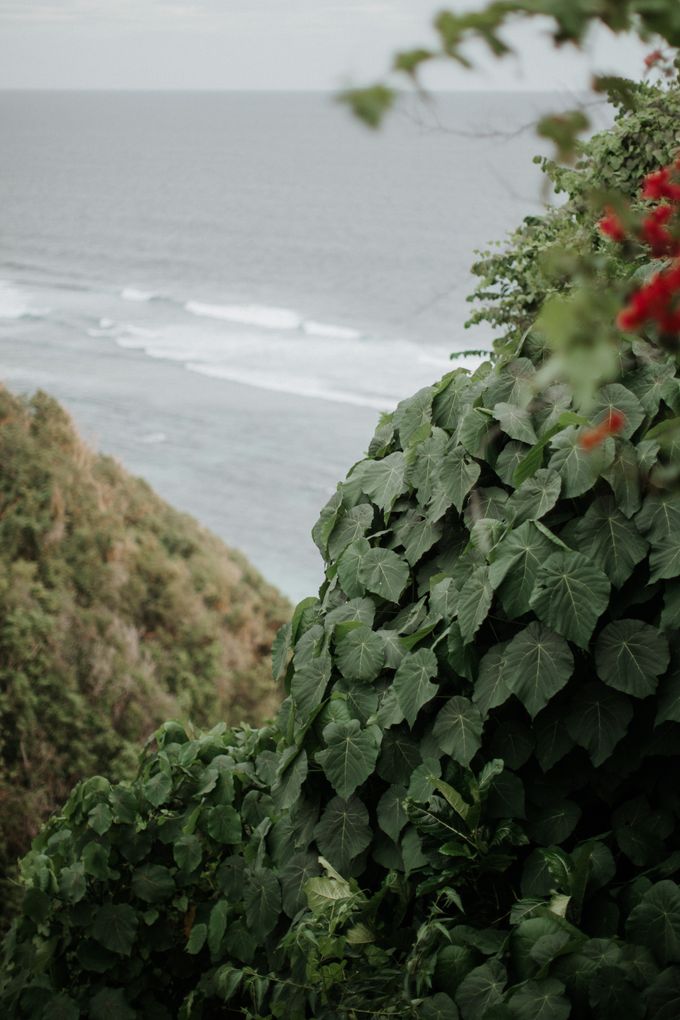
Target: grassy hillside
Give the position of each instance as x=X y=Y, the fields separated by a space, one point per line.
x=116 y=612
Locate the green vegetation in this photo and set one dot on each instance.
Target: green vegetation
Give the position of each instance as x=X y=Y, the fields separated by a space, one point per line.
x=539 y=257
x=467 y=808
x=468 y=805
x=115 y=613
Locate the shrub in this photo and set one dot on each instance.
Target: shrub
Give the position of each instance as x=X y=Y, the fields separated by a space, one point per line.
x=115 y=612
x=468 y=805
x=515 y=280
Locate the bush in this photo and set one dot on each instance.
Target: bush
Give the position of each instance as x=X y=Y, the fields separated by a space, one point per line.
x=115 y=613
x=468 y=805
x=515 y=280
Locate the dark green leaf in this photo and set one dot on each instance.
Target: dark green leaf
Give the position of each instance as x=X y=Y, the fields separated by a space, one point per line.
x=115 y=928
x=360 y=654
x=598 y=720
x=350 y=755
x=412 y=682
x=570 y=595
x=630 y=656
x=385 y=573
x=343 y=831
x=537 y=664
x=458 y=730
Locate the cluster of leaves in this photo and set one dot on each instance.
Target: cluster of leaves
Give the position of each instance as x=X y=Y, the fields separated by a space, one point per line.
x=571 y=20
x=539 y=257
x=467 y=806
x=115 y=613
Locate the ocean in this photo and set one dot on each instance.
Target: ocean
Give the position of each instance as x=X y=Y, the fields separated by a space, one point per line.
x=225 y=289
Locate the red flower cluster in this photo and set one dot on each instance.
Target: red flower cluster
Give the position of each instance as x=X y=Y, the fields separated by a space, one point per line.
x=655 y=302
x=611 y=426
x=658 y=301
x=659 y=185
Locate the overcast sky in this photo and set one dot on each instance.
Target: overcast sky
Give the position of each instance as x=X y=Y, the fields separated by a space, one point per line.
x=263 y=44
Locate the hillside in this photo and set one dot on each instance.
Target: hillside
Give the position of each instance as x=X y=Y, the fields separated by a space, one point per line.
x=116 y=611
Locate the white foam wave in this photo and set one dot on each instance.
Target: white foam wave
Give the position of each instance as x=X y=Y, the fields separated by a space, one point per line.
x=133 y=294
x=293 y=385
x=13 y=303
x=260 y=316
x=320 y=329
x=153 y=437
x=270 y=317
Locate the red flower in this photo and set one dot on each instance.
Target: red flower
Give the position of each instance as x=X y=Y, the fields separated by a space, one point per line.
x=611 y=426
x=658 y=185
x=611 y=226
x=653 y=58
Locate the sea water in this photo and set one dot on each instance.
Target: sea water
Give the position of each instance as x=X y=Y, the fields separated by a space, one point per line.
x=225 y=290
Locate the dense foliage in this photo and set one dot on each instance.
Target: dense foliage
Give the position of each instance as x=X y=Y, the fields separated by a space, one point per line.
x=115 y=613
x=538 y=257
x=468 y=805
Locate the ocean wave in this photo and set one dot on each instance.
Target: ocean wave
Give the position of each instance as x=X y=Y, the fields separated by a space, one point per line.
x=271 y=318
x=293 y=385
x=320 y=329
x=133 y=294
x=13 y=303
x=261 y=316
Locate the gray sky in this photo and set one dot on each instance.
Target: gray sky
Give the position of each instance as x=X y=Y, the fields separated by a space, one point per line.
x=260 y=44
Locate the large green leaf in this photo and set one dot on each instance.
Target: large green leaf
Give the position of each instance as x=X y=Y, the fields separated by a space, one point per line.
x=399 y=757
x=615 y=397
x=515 y=422
x=475 y=432
x=552 y=824
x=552 y=737
x=655 y=922
x=391 y=815
x=115 y=927
x=412 y=682
x=535 y=497
x=458 y=730
x=491 y=689
x=262 y=901
x=343 y=831
x=664 y=559
x=540 y=1000
x=659 y=517
x=348 y=527
x=384 y=573
x=481 y=990
x=423 y=472
x=579 y=468
x=152 y=883
x=417 y=534
x=350 y=755
x=456 y=394
x=360 y=653
x=537 y=664
x=308 y=685
x=294 y=875
x=570 y=595
x=457 y=475
x=509 y=460
x=515 y=565
x=349 y=565
x=413 y=415
x=474 y=602
x=384 y=480
x=598 y=720
x=609 y=539
x=623 y=474
x=630 y=656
